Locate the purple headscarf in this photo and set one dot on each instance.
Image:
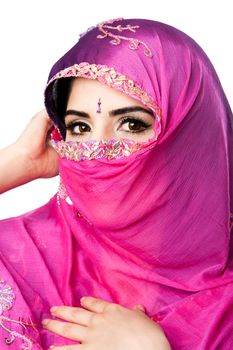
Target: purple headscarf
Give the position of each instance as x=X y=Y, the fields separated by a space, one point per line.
x=165 y=239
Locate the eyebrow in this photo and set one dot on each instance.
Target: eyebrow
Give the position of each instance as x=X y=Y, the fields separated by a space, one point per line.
x=112 y=113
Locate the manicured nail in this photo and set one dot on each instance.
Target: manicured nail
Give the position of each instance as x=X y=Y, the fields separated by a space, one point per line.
x=45 y=322
x=53 y=309
x=82 y=299
x=51 y=347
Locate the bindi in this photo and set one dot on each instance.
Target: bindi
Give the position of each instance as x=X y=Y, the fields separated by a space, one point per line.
x=98 y=110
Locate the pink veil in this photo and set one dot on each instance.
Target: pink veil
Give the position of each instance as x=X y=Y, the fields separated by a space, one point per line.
x=150 y=227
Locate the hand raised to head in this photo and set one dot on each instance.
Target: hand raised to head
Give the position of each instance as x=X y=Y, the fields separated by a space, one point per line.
x=33 y=142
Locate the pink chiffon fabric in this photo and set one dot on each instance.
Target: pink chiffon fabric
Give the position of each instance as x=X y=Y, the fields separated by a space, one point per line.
x=153 y=227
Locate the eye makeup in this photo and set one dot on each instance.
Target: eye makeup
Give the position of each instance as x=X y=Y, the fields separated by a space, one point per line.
x=135 y=125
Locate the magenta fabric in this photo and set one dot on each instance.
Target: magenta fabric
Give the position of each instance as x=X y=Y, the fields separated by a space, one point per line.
x=152 y=228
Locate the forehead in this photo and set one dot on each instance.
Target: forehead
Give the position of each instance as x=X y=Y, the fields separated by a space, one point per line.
x=86 y=90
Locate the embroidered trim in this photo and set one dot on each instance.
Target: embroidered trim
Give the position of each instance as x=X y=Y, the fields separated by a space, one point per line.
x=110 y=77
x=7 y=298
x=61 y=192
x=115 y=80
x=104 y=149
x=95 y=26
x=133 y=43
x=107 y=149
x=63 y=195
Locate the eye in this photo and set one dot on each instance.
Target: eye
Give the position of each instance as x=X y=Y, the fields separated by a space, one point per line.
x=77 y=128
x=134 y=125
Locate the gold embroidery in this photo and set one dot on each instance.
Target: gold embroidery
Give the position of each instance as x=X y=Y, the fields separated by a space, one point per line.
x=115 y=80
x=116 y=39
x=7 y=298
x=107 y=149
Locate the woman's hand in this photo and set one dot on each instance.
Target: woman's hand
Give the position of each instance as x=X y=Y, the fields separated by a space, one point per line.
x=30 y=157
x=33 y=143
x=106 y=326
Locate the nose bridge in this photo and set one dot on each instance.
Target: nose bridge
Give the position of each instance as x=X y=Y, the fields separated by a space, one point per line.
x=103 y=128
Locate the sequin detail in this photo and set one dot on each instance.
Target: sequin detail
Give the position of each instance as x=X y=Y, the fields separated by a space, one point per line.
x=134 y=44
x=115 y=80
x=7 y=298
x=63 y=195
x=61 y=192
x=104 y=149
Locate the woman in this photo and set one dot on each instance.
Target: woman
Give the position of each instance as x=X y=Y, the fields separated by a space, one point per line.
x=143 y=211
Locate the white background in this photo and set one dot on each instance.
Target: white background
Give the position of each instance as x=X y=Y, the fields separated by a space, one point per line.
x=35 y=34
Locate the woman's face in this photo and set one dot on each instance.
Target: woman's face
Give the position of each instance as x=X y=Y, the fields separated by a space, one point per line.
x=97 y=112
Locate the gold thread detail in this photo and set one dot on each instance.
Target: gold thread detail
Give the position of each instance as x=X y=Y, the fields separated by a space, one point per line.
x=116 y=39
x=103 y=149
x=112 y=78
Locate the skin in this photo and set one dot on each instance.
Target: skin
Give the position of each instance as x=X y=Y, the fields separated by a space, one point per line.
x=98 y=324
x=35 y=158
x=84 y=97
x=101 y=325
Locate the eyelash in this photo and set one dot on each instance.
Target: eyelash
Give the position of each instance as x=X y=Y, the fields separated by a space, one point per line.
x=70 y=126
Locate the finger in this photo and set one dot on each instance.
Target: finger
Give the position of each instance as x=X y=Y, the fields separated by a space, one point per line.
x=43 y=114
x=40 y=125
x=42 y=119
x=46 y=124
x=68 y=330
x=72 y=314
x=94 y=304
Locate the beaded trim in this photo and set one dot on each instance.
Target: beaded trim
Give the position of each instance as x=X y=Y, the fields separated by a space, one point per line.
x=115 y=80
x=108 y=76
x=133 y=43
x=7 y=298
x=62 y=193
x=104 y=149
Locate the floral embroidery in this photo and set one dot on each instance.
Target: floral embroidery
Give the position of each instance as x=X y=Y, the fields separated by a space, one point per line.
x=104 y=149
x=61 y=192
x=89 y=150
x=133 y=43
x=7 y=298
x=115 y=80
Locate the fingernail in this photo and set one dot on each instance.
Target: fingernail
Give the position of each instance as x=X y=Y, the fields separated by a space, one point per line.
x=51 y=347
x=45 y=322
x=53 y=309
x=82 y=299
